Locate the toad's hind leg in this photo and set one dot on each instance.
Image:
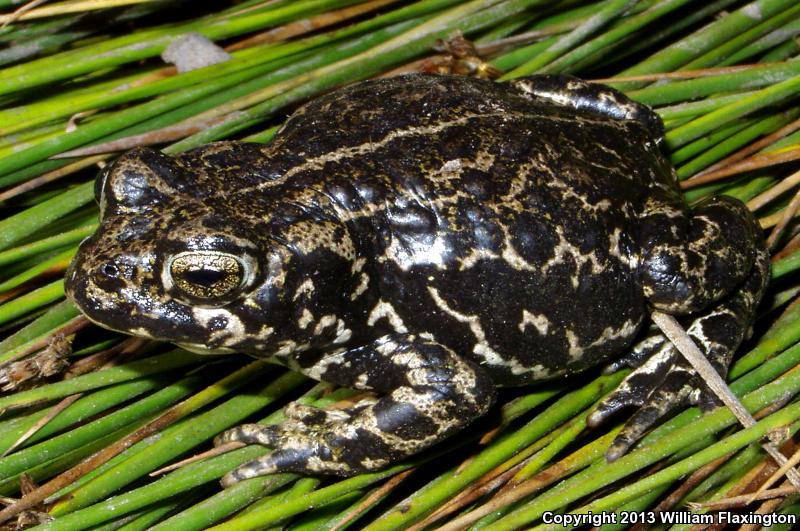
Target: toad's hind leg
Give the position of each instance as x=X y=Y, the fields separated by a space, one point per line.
x=666 y=380
x=430 y=393
x=590 y=98
x=691 y=260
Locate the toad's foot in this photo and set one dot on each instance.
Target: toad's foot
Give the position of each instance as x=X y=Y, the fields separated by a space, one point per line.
x=660 y=385
x=666 y=380
x=652 y=342
x=429 y=394
x=309 y=440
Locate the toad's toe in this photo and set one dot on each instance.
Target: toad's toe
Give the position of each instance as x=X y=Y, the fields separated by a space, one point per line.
x=282 y=460
x=265 y=435
x=649 y=345
x=637 y=386
x=669 y=395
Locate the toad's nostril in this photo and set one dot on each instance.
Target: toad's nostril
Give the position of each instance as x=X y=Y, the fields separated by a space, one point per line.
x=109 y=270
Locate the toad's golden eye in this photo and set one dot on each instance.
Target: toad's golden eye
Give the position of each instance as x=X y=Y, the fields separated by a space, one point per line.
x=206 y=275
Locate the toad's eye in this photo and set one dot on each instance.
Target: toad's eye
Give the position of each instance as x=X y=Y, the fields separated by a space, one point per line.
x=207 y=275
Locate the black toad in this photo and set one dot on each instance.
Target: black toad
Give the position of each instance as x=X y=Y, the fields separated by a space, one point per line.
x=428 y=238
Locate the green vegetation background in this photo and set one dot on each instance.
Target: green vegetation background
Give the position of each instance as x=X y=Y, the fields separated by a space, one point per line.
x=87 y=415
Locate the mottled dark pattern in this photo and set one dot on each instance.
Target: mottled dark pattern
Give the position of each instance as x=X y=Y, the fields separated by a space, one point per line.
x=428 y=238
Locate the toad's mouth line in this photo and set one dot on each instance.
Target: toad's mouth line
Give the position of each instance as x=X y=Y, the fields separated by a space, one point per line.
x=195 y=348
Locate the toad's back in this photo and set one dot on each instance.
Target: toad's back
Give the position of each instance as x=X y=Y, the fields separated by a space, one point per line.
x=499 y=221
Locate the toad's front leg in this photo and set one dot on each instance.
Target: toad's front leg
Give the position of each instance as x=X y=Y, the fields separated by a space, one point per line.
x=429 y=394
